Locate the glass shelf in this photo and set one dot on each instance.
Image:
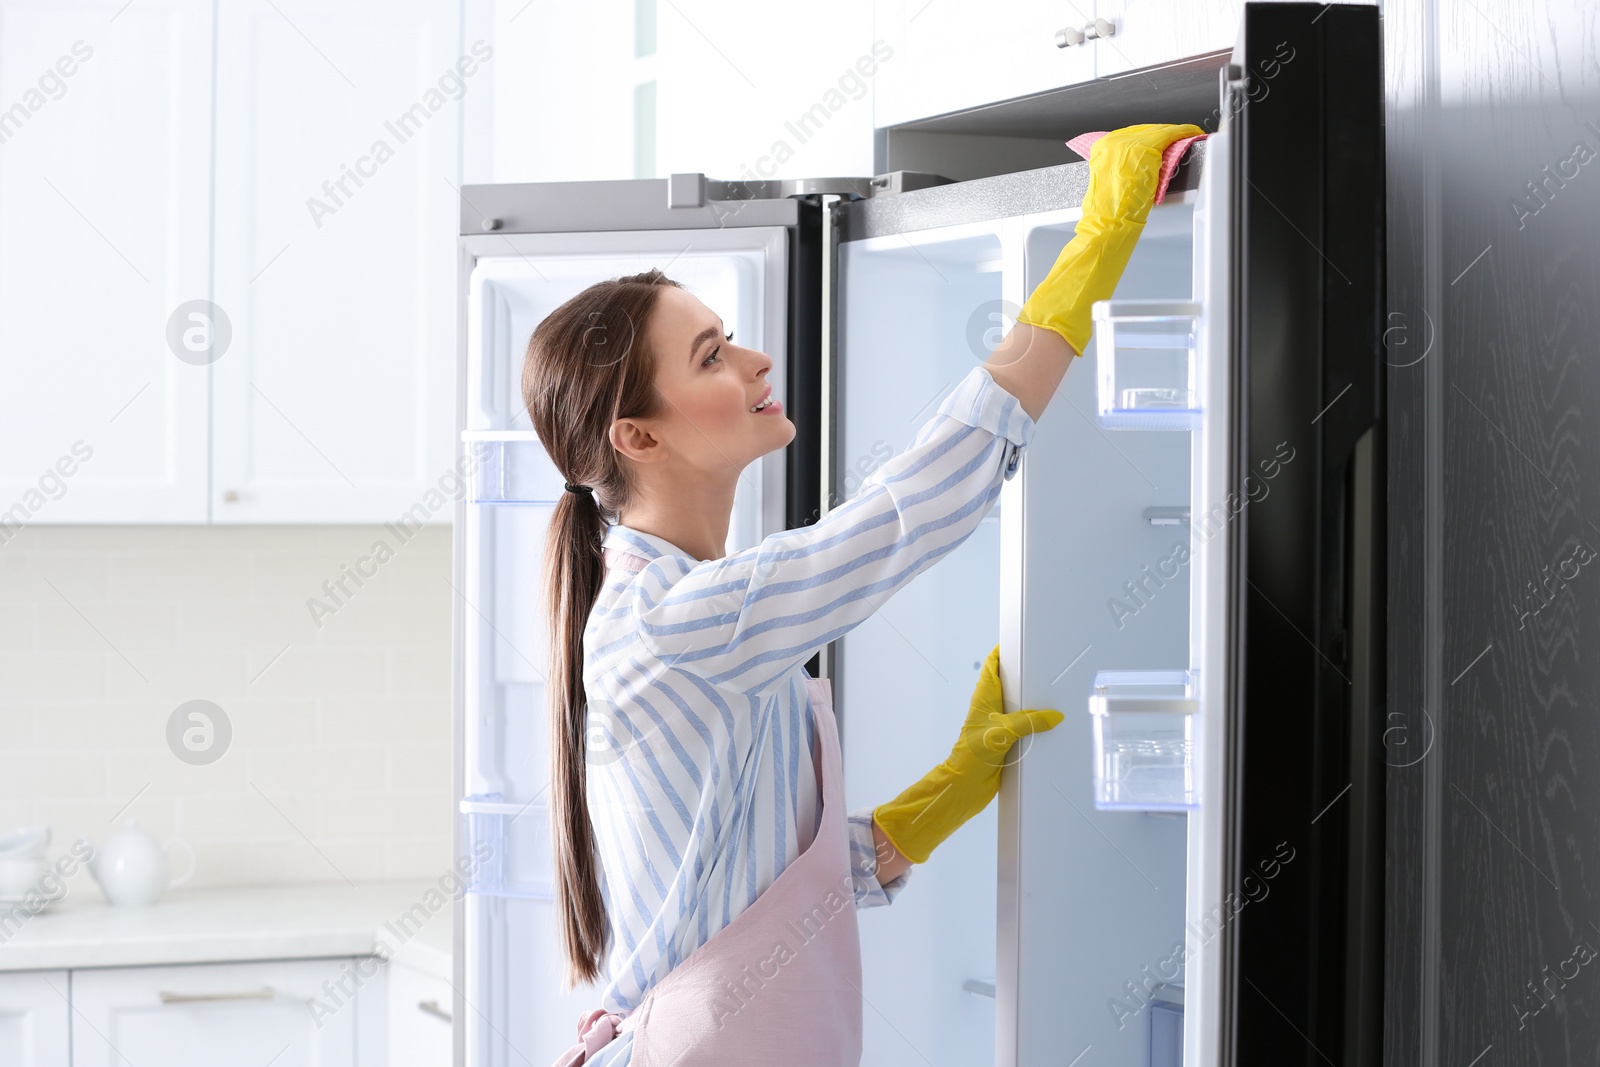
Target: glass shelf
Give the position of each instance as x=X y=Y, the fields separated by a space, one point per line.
x=514 y=842
x=1145 y=362
x=1145 y=728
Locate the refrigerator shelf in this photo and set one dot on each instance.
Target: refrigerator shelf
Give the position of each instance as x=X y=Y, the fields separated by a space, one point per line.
x=517 y=836
x=480 y=804
x=1145 y=726
x=468 y=436
x=1145 y=359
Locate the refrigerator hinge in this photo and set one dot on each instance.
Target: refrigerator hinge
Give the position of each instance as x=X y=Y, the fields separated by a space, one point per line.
x=906 y=181
x=1230 y=79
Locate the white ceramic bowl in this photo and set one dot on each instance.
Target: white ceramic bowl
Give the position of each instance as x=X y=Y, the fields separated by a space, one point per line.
x=20 y=875
x=24 y=842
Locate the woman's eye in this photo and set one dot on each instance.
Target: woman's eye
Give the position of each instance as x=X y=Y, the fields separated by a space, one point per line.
x=714 y=352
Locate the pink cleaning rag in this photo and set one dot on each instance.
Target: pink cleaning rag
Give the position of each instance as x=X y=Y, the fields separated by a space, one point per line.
x=1169 y=159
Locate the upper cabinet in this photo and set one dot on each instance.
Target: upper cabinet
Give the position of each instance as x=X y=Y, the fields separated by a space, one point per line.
x=337 y=190
x=951 y=55
x=252 y=325
x=105 y=160
x=1152 y=32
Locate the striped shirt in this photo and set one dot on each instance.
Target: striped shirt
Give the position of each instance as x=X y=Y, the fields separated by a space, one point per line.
x=701 y=784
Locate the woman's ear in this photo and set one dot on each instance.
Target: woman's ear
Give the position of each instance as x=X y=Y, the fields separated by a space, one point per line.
x=634 y=439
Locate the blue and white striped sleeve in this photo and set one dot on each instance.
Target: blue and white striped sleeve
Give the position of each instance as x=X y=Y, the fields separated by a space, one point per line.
x=864 y=864
x=745 y=620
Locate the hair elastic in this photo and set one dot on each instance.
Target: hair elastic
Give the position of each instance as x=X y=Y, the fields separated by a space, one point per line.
x=579 y=489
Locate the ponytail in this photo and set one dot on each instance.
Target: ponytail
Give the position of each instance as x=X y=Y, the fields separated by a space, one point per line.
x=574 y=571
x=587 y=366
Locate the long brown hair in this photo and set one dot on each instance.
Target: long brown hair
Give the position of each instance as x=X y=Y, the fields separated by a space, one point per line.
x=587 y=365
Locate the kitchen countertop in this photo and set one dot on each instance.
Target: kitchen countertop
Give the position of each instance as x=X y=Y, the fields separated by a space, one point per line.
x=220 y=925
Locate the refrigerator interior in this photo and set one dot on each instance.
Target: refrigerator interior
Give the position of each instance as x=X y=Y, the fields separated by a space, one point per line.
x=1102 y=891
x=516 y=1012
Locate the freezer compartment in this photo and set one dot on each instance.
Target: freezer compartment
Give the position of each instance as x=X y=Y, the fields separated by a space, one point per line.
x=512 y=468
x=511 y=843
x=1145 y=356
x=509 y=948
x=1145 y=729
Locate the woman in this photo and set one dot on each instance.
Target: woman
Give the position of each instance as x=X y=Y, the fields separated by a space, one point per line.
x=702 y=848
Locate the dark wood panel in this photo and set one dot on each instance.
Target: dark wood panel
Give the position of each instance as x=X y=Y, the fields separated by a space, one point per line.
x=1488 y=101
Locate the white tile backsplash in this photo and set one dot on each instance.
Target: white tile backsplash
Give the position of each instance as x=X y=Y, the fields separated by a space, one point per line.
x=339 y=763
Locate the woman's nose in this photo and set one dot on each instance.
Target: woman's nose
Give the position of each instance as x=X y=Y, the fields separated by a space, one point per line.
x=760 y=363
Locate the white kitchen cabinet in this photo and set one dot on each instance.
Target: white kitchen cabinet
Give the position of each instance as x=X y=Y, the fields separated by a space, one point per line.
x=337 y=205
x=803 y=107
x=105 y=157
x=949 y=55
x=1152 y=32
x=289 y=1013
x=419 y=1019
x=33 y=1019
x=327 y=394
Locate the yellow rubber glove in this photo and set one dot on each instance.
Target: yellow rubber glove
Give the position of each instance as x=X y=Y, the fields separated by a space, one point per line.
x=1124 y=167
x=917 y=820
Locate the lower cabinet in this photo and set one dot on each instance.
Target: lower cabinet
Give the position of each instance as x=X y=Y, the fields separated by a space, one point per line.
x=419 y=1019
x=289 y=1013
x=33 y=1019
x=338 y=1012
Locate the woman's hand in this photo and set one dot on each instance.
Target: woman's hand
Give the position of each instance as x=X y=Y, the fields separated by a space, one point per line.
x=921 y=817
x=1124 y=167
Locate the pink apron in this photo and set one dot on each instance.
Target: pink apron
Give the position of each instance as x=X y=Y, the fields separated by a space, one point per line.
x=781 y=983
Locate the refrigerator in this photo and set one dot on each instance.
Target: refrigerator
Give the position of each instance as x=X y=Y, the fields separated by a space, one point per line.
x=1187 y=562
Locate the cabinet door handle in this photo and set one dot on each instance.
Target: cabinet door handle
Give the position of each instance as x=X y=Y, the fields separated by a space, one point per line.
x=264 y=993
x=1071 y=36
x=431 y=1007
